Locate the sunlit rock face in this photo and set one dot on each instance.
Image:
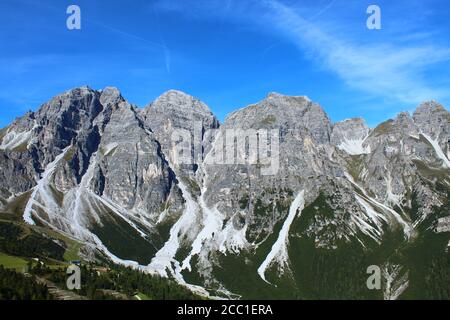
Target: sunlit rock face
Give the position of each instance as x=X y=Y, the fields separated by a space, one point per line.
x=92 y=166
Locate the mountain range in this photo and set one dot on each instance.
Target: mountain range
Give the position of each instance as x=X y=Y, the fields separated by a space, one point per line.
x=342 y=196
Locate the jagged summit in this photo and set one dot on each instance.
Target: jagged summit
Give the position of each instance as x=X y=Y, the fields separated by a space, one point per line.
x=90 y=165
x=175 y=92
x=111 y=92
x=285 y=112
x=433 y=119
x=180 y=109
x=110 y=96
x=81 y=90
x=276 y=95
x=352 y=120
x=350 y=129
x=274 y=100
x=178 y=100
x=430 y=106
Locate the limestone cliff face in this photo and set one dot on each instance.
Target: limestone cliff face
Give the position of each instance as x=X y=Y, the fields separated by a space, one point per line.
x=94 y=167
x=176 y=116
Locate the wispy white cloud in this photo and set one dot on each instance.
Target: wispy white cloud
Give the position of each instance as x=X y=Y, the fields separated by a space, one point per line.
x=324 y=9
x=380 y=69
x=394 y=70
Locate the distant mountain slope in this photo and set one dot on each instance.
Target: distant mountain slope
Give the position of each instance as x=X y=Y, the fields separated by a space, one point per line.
x=304 y=218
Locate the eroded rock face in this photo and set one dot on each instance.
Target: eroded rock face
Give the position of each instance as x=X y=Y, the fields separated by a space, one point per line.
x=93 y=166
x=37 y=138
x=303 y=130
x=398 y=169
x=135 y=174
x=433 y=119
x=16 y=172
x=350 y=136
x=175 y=116
x=88 y=157
x=284 y=113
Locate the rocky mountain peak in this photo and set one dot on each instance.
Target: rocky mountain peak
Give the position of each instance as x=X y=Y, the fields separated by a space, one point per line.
x=406 y=122
x=24 y=122
x=283 y=112
x=178 y=101
x=403 y=116
x=352 y=122
x=110 y=96
x=73 y=100
x=177 y=109
x=90 y=165
x=176 y=113
x=431 y=106
x=279 y=96
x=350 y=131
x=77 y=92
x=433 y=119
x=430 y=111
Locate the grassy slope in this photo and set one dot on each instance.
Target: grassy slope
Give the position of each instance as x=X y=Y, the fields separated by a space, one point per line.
x=124 y=241
x=72 y=246
x=11 y=262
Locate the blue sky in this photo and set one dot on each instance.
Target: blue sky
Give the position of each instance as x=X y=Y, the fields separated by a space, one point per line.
x=229 y=53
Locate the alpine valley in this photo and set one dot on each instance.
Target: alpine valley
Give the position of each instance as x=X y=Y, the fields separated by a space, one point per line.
x=99 y=177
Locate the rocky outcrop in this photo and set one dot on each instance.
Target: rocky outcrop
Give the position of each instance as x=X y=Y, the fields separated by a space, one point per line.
x=177 y=118
x=170 y=190
x=350 y=136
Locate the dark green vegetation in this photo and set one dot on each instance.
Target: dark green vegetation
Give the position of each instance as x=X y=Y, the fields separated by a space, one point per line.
x=340 y=272
x=264 y=213
x=16 y=286
x=429 y=267
x=11 y=262
x=20 y=244
x=14 y=240
x=429 y=260
x=317 y=272
x=244 y=202
x=129 y=245
x=97 y=283
x=320 y=273
x=239 y=273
